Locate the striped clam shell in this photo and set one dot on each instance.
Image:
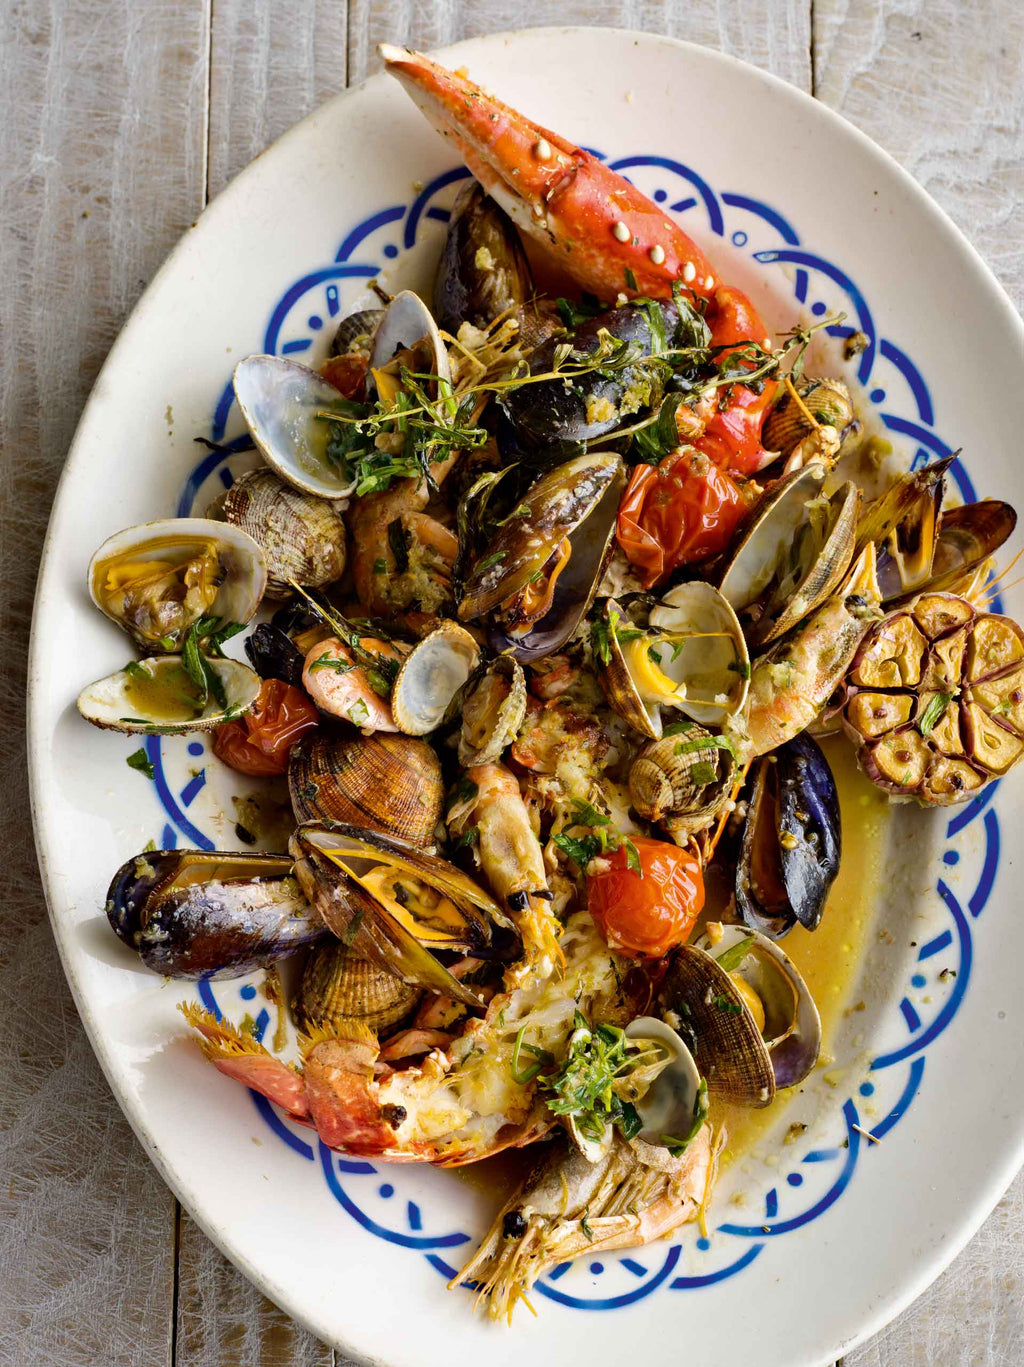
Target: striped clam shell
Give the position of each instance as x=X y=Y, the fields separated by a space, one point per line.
x=337 y=987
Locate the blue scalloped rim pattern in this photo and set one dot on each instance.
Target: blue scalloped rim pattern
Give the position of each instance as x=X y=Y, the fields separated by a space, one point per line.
x=369 y=1193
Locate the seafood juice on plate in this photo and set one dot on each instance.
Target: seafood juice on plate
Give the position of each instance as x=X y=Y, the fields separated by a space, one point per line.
x=563 y=622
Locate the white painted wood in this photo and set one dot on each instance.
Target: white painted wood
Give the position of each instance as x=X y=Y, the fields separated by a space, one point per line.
x=101 y=169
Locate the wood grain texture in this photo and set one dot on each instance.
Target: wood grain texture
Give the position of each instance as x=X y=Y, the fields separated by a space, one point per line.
x=118 y=117
x=940 y=87
x=775 y=36
x=98 y=178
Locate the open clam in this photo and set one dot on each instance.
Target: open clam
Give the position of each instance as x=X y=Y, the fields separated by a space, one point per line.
x=754 y=1021
x=158 y=696
x=400 y=907
x=793 y=554
x=193 y=914
x=538 y=576
x=671 y=1105
x=388 y=782
x=792 y=838
x=281 y=401
x=818 y=415
x=492 y=706
x=693 y=658
x=158 y=579
x=302 y=536
x=430 y=676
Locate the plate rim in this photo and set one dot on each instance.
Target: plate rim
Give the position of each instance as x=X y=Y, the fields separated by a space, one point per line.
x=926 y=1269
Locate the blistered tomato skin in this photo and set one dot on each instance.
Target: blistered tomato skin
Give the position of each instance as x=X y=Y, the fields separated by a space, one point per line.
x=646 y=913
x=259 y=742
x=681 y=511
x=732 y=437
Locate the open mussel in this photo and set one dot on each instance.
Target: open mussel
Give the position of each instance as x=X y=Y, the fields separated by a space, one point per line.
x=537 y=578
x=553 y=413
x=400 y=907
x=754 y=1023
x=792 y=839
x=159 y=696
x=193 y=914
x=387 y=782
x=492 y=707
x=339 y=989
x=482 y=272
x=692 y=657
x=796 y=548
x=935 y=700
x=923 y=545
x=158 y=579
x=302 y=536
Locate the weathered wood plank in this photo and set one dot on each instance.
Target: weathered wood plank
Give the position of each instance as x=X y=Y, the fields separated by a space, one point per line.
x=775 y=36
x=940 y=87
x=223 y=1321
x=101 y=168
x=272 y=61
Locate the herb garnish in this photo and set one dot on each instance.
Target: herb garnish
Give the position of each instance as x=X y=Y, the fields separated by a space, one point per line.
x=677 y=1145
x=933 y=713
x=141 y=761
x=731 y=958
x=584 y=1085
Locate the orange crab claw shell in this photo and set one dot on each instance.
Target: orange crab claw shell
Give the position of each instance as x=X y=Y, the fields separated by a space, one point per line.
x=593 y=222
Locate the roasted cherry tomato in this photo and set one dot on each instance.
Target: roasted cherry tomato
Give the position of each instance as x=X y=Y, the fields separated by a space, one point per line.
x=347 y=373
x=646 y=913
x=732 y=436
x=675 y=513
x=259 y=742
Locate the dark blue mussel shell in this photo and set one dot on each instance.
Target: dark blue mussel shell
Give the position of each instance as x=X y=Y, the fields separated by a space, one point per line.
x=552 y=412
x=789 y=857
x=193 y=914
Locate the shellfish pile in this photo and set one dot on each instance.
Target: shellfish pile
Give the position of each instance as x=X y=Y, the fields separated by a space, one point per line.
x=545 y=597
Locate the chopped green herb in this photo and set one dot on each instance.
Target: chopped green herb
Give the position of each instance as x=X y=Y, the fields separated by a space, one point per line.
x=380 y=565
x=584 y=1085
x=585 y=1226
x=731 y=958
x=933 y=713
x=489 y=562
x=630 y=279
x=724 y=1004
x=677 y=1146
x=677 y=728
x=632 y=856
x=581 y=852
x=135 y=670
x=326 y=661
x=359 y=713
x=589 y=814
x=141 y=761
x=703 y=773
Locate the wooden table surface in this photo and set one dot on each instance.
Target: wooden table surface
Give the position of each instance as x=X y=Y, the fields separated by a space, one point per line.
x=120 y=119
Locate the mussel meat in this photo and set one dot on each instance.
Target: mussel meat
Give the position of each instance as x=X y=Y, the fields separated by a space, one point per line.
x=387 y=782
x=796 y=548
x=792 y=839
x=339 y=989
x=754 y=1022
x=302 y=536
x=935 y=700
x=190 y=914
x=539 y=574
x=482 y=272
x=400 y=907
x=158 y=696
x=157 y=580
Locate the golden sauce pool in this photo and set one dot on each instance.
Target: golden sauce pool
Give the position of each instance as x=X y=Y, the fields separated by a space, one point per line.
x=168 y=693
x=828 y=958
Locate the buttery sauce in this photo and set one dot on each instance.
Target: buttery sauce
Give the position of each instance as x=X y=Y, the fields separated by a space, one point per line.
x=167 y=694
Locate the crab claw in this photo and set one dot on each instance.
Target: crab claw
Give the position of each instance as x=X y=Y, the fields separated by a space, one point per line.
x=597 y=226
